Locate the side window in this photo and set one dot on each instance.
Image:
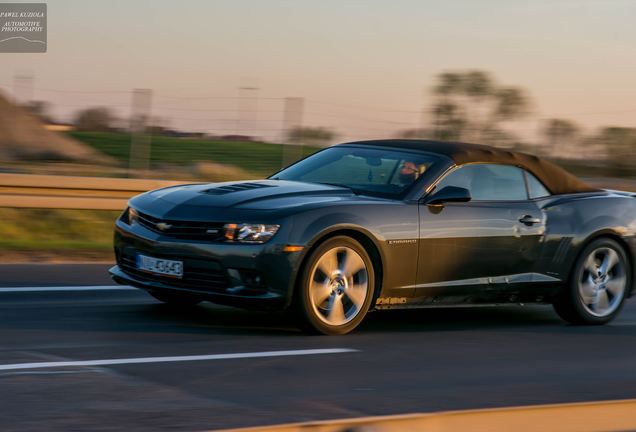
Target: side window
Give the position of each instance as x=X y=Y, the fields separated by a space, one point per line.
x=535 y=187
x=488 y=182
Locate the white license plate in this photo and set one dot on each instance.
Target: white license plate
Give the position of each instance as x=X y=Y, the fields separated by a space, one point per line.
x=160 y=266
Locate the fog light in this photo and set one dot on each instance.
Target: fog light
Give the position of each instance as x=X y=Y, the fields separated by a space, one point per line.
x=244 y=278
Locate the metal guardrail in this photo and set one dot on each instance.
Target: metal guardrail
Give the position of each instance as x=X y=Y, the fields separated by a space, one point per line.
x=100 y=193
x=67 y=192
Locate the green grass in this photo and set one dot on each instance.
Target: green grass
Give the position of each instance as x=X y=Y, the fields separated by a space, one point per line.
x=51 y=230
x=260 y=159
x=61 y=232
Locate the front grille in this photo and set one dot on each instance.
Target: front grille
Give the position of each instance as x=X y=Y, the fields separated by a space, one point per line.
x=211 y=231
x=198 y=275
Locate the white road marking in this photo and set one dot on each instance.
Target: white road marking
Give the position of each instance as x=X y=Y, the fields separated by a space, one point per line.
x=137 y=360
x=69 y=288
x=4 y=374
x=622 y=323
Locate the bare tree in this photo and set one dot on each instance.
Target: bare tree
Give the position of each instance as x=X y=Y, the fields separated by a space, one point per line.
x=96 y=119
x=450 y=122
x=470 y=105
x=620 y=145
x=415 y=133
x=560 y=135
x=311 y=135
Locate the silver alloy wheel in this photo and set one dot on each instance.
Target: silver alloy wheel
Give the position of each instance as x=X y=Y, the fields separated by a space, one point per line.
x=338 y=285
x=602 y=282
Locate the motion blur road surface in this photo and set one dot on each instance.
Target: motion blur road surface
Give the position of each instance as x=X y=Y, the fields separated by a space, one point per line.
x=407 y=361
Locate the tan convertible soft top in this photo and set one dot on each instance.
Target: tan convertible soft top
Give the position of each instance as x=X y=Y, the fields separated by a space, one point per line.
x=556 y=179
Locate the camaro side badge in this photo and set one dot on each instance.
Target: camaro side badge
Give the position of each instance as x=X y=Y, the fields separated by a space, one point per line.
x=402 y=242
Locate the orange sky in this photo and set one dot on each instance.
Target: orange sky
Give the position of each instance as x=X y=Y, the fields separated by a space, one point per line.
x=363 y=66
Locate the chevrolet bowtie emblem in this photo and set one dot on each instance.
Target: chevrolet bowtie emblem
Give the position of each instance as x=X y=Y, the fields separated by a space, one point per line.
x=163 y=226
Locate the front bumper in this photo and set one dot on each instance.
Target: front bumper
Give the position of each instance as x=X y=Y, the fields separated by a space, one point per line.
x=244 y=275
x=266 y=300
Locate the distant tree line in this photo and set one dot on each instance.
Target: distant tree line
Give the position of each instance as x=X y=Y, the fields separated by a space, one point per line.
x=97 y=119
x=314 y=136
x=471 y=106
x=466 y=105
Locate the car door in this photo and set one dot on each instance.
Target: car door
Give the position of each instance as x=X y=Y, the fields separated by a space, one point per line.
x=489 y=242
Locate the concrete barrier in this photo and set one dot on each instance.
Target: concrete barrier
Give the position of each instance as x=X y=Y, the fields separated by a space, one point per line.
x=576 y=417
x=67 y=192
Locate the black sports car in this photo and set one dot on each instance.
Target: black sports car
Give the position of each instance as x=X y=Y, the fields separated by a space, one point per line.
x=386 y=224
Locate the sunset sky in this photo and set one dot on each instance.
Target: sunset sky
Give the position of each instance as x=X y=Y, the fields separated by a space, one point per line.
x=365 y=67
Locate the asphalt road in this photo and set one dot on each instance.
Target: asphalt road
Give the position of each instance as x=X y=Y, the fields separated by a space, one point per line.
x=398 y=362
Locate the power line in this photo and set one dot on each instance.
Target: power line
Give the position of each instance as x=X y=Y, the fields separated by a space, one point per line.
x=368 y=119
x=315 y=101
x=78 y=91
x=359 y=107
x=215 y=97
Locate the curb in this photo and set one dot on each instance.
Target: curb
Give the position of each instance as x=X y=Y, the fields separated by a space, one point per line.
x=579 y=417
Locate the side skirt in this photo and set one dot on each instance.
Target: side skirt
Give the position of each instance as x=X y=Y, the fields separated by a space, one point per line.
x=449 y=306
x=475 y=296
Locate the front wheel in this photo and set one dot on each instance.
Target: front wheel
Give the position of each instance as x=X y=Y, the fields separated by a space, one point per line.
x=336 y=286
x=598 y=285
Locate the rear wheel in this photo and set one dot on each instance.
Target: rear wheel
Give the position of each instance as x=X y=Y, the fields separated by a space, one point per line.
x=175 y=299
x=598 y=285
x=336 y=286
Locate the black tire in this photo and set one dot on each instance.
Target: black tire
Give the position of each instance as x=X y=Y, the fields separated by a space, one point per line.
x=571 y=305
x=346 y=290
x=176 y=299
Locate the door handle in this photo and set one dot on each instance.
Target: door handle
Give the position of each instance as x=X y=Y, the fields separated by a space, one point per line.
x=529 y=220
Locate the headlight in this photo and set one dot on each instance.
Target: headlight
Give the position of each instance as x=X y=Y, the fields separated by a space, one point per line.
x=249 y=233
x=133 y=216
x=129 y=216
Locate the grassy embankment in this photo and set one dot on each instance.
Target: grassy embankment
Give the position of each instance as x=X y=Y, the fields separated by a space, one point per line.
x=86 y=234
x=44 y=234
x=258 y=159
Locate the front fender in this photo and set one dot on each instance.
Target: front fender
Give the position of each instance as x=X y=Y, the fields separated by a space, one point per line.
x=382 y=225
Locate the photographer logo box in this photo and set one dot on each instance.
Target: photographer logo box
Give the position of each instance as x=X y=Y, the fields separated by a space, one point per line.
x=22 y=27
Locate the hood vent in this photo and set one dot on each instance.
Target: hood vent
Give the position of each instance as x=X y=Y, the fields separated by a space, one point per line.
x=222 y=190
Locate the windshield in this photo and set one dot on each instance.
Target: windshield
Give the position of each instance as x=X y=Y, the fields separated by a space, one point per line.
x=367 y=171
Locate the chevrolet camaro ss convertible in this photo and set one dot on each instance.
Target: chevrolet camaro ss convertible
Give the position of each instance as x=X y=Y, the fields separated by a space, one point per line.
x=386 y=224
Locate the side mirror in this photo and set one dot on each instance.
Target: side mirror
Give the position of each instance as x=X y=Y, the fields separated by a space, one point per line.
x=449 y=194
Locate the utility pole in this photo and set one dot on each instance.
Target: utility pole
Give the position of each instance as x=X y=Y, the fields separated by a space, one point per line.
x=22 y=88
x=247 y=111
x=140 y=136
x=292 y=119
x=423 y=115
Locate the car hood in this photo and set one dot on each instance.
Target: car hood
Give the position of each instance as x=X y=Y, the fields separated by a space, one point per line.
x=263 y=195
